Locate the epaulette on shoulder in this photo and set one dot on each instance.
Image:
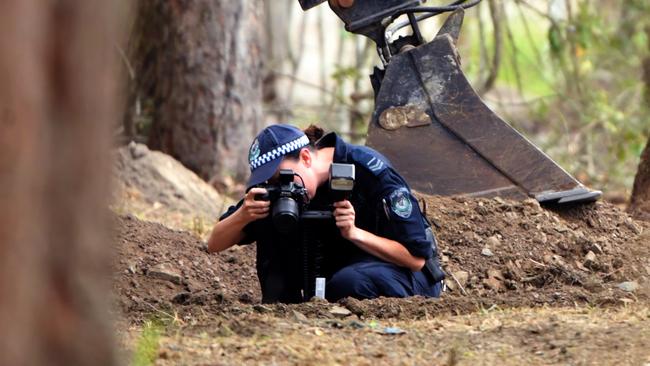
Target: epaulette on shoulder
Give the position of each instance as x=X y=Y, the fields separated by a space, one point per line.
x=370 y=159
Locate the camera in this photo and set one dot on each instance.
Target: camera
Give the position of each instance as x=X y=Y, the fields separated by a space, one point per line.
x=289 y=199
x=314 y=230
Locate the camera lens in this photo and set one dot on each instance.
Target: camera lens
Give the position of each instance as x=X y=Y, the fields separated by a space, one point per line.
x=285 y=214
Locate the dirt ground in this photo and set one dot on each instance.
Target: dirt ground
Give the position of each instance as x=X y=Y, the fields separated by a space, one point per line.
x=526 y=284
x=541 y=336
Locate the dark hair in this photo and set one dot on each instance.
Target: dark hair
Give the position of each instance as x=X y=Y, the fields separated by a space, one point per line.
x=314 y=133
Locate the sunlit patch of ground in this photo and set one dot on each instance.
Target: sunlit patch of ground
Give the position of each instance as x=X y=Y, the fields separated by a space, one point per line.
x=512 y=337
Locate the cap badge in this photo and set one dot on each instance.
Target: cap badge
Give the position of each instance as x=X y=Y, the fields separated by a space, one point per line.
x=254 y=151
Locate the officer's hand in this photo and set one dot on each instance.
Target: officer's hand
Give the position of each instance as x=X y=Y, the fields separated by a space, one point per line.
x=344 y=215
x=251 y=209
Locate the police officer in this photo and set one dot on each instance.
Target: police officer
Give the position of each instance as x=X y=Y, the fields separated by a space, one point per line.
x=386 y=246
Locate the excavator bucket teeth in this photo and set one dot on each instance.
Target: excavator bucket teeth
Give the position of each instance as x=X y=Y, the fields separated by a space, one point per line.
x=440 y=135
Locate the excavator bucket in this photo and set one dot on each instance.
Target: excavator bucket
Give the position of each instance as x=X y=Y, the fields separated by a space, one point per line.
x=442 y=137
x=429 y=121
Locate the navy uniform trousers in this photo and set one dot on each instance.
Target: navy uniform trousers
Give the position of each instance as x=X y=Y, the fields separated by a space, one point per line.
x=371 y=279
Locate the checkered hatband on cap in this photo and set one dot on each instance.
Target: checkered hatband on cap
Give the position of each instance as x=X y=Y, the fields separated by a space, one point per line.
x=279 y=151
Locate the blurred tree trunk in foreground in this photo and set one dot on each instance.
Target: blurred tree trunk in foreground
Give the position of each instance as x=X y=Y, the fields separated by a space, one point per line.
x=57 y=94
x=198 y=67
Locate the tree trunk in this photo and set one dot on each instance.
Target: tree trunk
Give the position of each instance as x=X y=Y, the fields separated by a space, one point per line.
x=57 y=106
x=278 y=57
x=640 y=200
x=198 y=67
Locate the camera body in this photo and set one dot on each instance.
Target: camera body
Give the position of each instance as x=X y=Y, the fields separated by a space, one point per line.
x=289 y=199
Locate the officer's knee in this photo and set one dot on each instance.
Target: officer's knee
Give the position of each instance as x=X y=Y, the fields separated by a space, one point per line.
x=349 y=282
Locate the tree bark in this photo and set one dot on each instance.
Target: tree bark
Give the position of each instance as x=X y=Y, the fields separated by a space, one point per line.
x=278 y=56
x=198 y=67
x=640 y=200
x=57 y=106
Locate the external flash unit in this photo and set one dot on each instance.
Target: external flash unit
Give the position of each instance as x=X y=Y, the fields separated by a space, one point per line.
x=341 y=181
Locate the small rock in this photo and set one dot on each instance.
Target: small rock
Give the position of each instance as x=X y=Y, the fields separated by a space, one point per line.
x=633 y=226
x=262 y=309
x=540 y=238
x=335 y=324
x=471 y=237
x=462 y=277
x=132 y=267
x=628 y=286
x=487 y=252
x=493 y=241
x=481 y=210
x=495 y=273
x=558 y=259
x=356 y=324
x=340 y=312
x=138 y=150
x=562 y=229
x=590 y=257
x=532 y=203
x=581 y=267
x=166 y=273
x=246 y=298
x=547 y=258
x=627 y=302
x=299 y=316
x=492 y=283
x=181 y=298
x=393 y=331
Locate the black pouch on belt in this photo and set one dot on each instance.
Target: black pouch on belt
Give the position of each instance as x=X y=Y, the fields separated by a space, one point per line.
x=432 y=267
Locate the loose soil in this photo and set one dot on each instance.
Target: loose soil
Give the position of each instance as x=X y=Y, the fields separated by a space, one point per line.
x=526 y=284
x=496 y=252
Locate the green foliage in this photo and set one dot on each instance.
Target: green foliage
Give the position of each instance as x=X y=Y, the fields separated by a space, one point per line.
x=599 y=57
x=582 y=73
x=146 y=348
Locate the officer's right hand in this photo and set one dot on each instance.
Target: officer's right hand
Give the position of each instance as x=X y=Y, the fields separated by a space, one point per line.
x=252 y=209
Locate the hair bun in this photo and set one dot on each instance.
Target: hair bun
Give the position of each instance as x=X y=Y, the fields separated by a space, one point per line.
x=314 y=133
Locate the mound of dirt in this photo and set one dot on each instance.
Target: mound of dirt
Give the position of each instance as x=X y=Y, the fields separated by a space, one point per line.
x=150 y=180
x=496 y=252
x=158 y=269
x=492 y=246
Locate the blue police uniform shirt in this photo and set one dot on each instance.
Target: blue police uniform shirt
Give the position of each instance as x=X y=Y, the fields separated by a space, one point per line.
x=383 y=203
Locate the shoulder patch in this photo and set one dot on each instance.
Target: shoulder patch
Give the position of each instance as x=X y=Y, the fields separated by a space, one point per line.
x=400 y=203
x=369 y=159
x=375 y=164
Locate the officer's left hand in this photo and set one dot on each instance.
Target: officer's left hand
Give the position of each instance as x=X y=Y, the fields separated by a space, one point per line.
x=344 y=215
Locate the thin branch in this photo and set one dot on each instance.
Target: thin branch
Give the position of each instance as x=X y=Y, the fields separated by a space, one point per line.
x=315 y=86
x=462 y=289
